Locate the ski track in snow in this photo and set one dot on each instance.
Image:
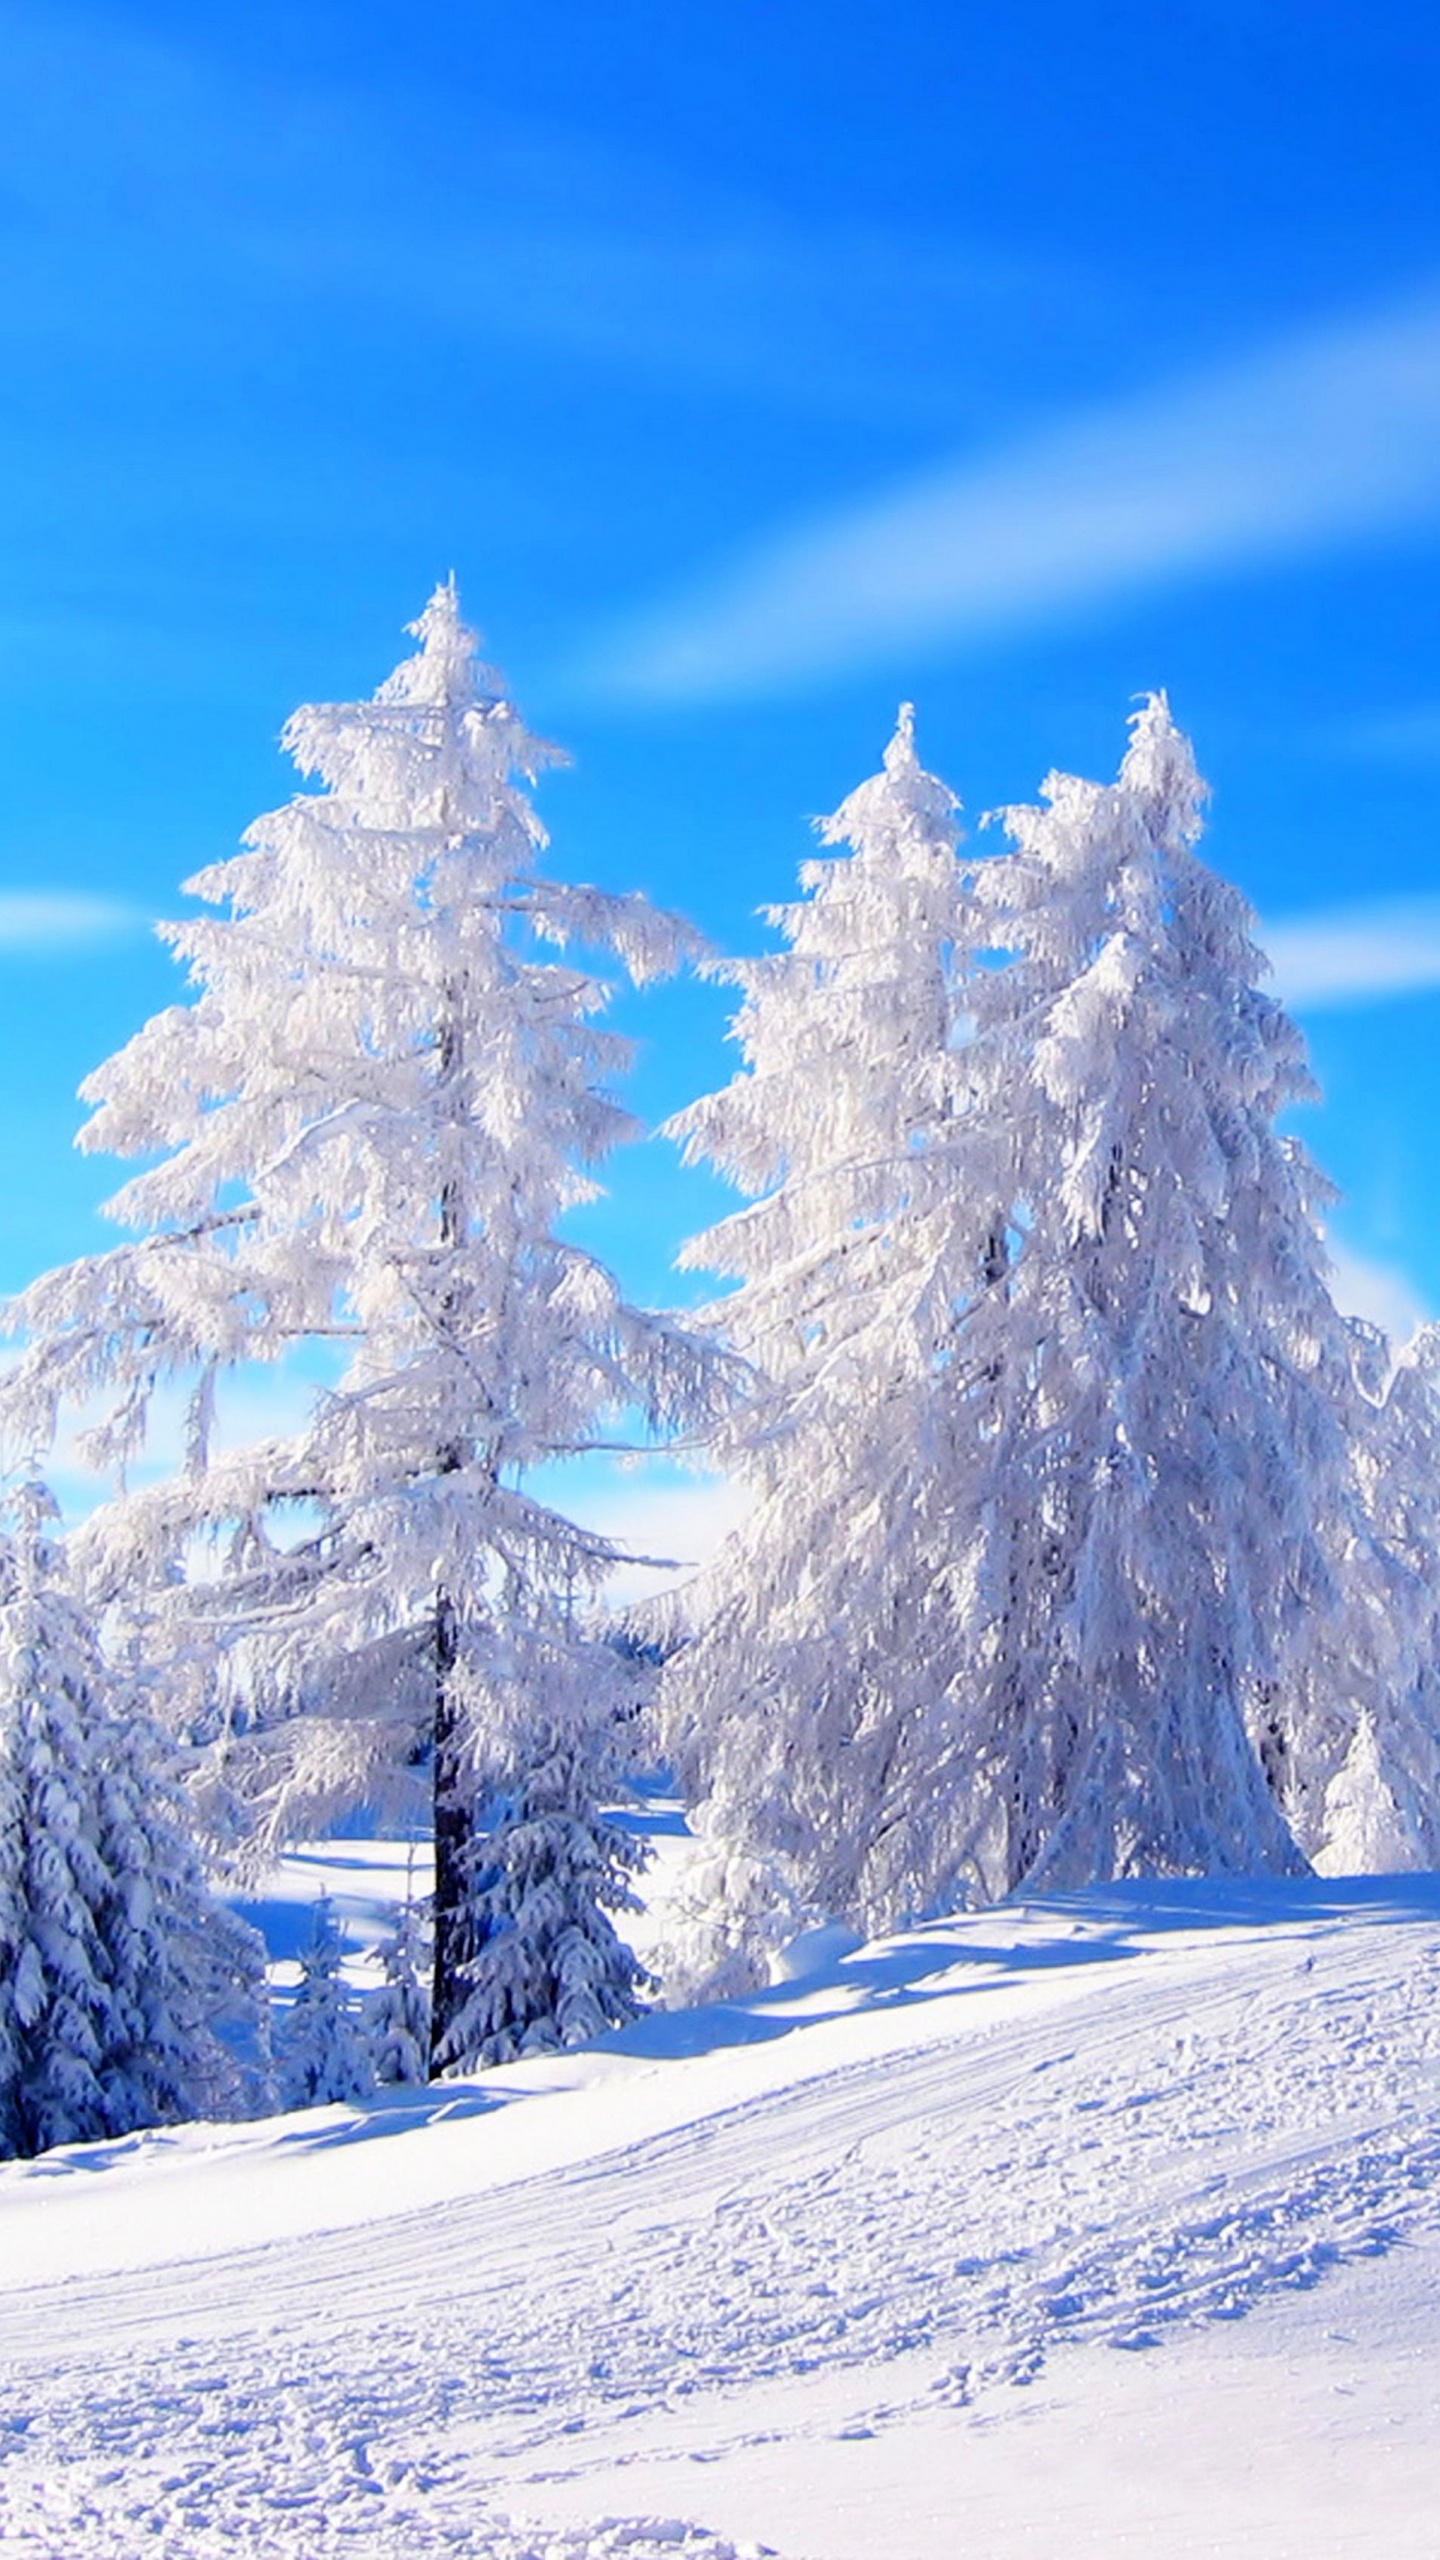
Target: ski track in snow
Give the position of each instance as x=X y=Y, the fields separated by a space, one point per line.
x=1233 y=2114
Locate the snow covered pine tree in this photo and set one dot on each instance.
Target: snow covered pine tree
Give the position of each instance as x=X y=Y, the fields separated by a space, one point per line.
x=823 y=1634
x=397 y=2017
x=128 y=1996
x=384 y=1100
x=1171 y=1484
x=1057 y=1454
x=324 y=2054
x=1360 y=1729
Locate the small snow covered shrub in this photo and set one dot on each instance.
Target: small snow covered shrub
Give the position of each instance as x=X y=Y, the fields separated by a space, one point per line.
x=397 y=2017
x=324 y=2055
x=544 y=1967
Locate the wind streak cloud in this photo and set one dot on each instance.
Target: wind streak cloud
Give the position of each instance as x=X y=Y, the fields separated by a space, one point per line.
x=35 y=921
x=1356 y=955
x=1326 y=438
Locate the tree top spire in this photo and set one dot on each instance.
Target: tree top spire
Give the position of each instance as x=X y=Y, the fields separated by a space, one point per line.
x=901 y=750
x=901 y=801
x=445 y=668
x=1159 y=764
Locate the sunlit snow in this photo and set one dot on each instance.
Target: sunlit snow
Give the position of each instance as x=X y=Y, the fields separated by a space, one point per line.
x=1098 y=2226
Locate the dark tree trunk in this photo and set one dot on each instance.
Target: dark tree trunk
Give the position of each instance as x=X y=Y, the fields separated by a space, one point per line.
x=451 y=1806
x=452 y=1835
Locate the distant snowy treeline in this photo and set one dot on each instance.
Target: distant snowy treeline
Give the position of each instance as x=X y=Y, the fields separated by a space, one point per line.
x=1086 y=1537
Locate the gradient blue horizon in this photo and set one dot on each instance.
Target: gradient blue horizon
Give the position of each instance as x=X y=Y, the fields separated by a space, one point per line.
x=617 y=313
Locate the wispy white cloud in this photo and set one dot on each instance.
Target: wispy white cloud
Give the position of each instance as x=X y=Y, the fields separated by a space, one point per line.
x=59 y=920
x=188 y=180
x=1377 y=1291
x=1322 y=439
x=1356 y=955
x=664 y=1518
x=685 y=1522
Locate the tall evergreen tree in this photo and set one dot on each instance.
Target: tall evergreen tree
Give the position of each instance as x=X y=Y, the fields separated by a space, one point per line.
x=1171 y=1483
x=128 y=1995
x=1057 y=1464
x=1357 y=1726
x=371 y=1123
x=822 y=1637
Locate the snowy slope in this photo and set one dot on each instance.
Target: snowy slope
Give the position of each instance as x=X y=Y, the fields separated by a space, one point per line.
x=838 y=2270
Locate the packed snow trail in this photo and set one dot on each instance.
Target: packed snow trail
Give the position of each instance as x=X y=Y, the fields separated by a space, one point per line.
x=1104 y=2120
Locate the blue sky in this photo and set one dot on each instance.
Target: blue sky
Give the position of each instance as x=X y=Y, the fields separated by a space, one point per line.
x=752 y=365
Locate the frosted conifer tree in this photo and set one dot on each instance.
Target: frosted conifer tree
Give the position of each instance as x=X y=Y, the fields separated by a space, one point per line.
x=1404 y=1700
x=1056 y=1467
x=324 y=2055
x=1170 y=1484
x=128 y=1995
x=371 y=1121
x=825 y=1630
x=544 y=1874
x=1361 y=1722
x=1367 y=1829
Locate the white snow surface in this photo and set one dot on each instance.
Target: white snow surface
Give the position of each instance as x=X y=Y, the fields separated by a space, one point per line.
x=1106 y=2225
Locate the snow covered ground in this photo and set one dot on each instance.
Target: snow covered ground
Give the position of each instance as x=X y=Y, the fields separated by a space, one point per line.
x=1103 y=2226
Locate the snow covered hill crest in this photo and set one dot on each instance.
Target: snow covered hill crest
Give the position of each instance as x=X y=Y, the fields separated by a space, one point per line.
x=844 y=2262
